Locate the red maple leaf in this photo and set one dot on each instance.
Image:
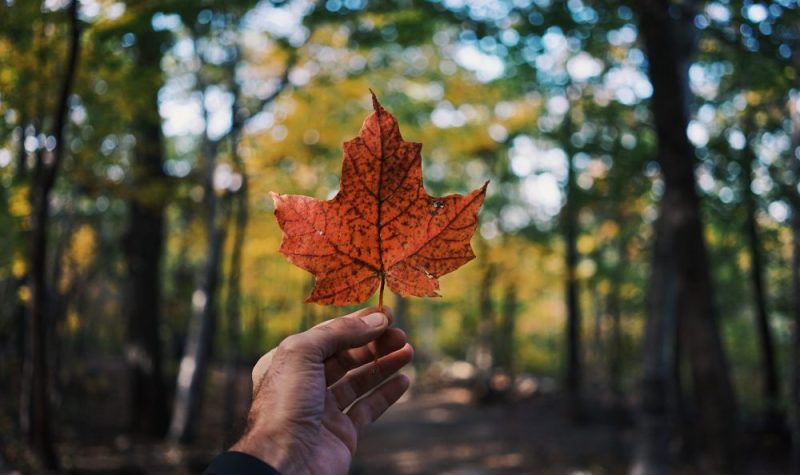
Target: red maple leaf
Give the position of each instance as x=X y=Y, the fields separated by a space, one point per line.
x=382 y=226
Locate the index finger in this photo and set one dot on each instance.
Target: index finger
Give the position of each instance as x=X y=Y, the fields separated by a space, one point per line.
x=263 y=364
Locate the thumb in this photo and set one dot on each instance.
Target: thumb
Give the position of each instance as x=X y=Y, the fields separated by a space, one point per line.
x=340 y=334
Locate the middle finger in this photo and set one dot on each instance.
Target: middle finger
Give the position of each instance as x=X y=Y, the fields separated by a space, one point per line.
x=339 y=364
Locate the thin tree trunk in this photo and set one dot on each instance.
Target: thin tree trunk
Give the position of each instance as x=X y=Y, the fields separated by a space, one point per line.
x=39 y=435
x=484 y=359
x=143 y=244
x=21 y=169
x=574 y=366
x=795 y=288
x=669 y=38
x=45 y=174
x=58 y=305
x=197 y=352
x=233 y=307
x=769 y=372
x=17 y=309
x=597 y=322
x=233 y=315
x=614 y=306
x=796 y=333
x=26 y=397
x=508 y=328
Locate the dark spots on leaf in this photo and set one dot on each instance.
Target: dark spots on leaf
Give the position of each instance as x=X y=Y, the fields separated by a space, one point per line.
x=342 y=242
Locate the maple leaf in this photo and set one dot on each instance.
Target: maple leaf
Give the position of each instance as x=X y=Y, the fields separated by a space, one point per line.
x=382 y=226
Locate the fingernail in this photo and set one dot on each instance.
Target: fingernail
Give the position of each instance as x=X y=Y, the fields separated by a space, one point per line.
x=375 y=319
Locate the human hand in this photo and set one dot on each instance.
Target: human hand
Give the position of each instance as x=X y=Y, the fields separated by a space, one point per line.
x=302 y=419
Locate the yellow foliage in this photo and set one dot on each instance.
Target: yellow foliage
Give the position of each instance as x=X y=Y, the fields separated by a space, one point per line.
x=18 y=266
x=83 y=244
x=18 y=203
x=79 y=255
x=24 y=293
x=743 y=259
x=586 y=243
x=73 y=321
x=603 y=286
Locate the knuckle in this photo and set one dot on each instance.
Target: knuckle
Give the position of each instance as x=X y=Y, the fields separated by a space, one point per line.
x=348 y=324
x=292 y=346
x=360 y=417
x=337 y=327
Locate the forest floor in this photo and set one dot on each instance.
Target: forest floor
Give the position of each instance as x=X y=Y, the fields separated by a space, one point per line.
x=444 y=432
x=434 y=431
x=437 y=429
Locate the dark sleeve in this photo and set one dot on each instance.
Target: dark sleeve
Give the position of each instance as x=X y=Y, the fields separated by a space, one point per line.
x=235 y=463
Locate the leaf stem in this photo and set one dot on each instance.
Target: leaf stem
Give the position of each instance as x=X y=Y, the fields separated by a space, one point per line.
x=380 y=295
x=375 y=368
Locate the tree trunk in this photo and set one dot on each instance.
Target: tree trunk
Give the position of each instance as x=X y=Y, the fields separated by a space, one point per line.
x=39 y=305
x=233 y=316
x=614 y=306
x=37 y=375
x=657 y=411
x=669 y=38
x=770 y=382
x=484 y=357
x=197 y=352
x=233 y=307
x=143 y=245
x=21 y=168
x=58 y=303
x=795 y=289
x=573 y=374
x=796 y=333
x=19 y=310
x=505 y=355
x=596 y=346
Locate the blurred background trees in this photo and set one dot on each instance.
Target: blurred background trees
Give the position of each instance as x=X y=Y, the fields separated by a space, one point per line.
x=638 y=251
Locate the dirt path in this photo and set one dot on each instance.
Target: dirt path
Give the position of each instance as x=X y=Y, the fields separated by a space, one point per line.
x=442 y=432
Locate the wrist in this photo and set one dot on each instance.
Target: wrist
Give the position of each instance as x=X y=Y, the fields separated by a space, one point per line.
x=269 y=449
